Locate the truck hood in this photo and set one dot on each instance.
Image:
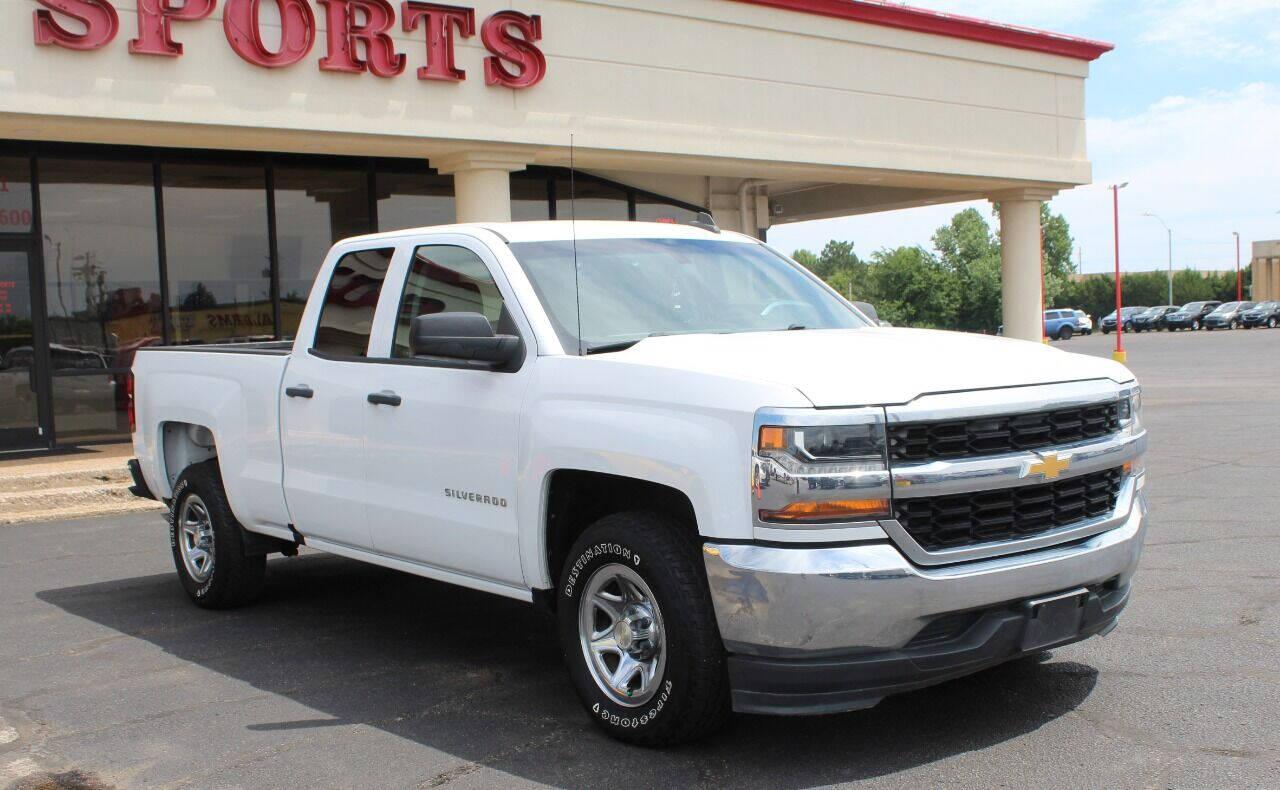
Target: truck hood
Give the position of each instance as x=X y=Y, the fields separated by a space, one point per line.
x=872 y=366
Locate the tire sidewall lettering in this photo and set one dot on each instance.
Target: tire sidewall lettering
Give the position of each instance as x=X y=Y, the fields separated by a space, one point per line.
x=604 y=549
x=626 y=722
x=178 y=491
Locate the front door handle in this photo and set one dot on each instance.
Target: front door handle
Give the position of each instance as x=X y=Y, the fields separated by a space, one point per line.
x=300 y=391
x=384 y=398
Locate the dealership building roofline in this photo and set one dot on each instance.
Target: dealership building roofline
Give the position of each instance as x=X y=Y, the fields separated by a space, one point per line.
x=173 y=174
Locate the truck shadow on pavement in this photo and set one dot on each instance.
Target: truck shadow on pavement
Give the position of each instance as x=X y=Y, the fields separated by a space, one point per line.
x=480 y=677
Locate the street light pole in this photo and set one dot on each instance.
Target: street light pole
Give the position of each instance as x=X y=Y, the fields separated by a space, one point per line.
x=1239 y=278
x=1119 y=354
x=1170 y=232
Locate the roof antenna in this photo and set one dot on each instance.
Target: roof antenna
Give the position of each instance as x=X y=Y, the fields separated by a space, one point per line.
x=573 y=229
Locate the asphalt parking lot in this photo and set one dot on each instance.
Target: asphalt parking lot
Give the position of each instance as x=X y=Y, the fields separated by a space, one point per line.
x=351 y=676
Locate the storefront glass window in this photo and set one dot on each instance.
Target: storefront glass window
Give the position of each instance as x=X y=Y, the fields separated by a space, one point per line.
x=529 y=200
x=650 y=209
x=593 y=200
x=89 y=407
x=414 y=200
x=101 y=267
x=217 y=252
x=314 y=208
x=15 y=195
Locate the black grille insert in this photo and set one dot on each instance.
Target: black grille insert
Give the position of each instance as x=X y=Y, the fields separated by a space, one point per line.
x=1007 y=433
x=960 y=520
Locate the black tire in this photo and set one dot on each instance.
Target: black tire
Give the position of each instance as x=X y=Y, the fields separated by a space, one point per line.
x=1234 y=324
x=230 y=578
x=1128 y=326
x=690 y=692
x=1271 y=322
x=1195 y=325
x=1106 y=331
x=1064 y=333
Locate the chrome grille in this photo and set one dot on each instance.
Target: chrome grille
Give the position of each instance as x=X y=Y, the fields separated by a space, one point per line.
x=999 y=434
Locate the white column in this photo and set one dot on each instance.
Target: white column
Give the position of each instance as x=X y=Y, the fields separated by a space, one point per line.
x=1020 y=253
x=482 y=182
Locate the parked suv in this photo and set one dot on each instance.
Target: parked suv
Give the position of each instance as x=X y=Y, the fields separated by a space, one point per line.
x=1227 y=316
x=1129 y=313
x=1153 y=320
x=1263 y=314
x=1190 y=315
x=1060 y=324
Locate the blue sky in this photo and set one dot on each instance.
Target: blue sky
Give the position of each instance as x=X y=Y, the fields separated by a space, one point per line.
x=1186 y=108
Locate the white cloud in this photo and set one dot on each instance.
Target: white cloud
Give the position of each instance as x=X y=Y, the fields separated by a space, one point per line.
x=1208 y=165
x=1233 y=30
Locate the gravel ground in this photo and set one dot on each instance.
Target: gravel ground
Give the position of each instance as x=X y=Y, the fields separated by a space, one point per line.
x=352 y=676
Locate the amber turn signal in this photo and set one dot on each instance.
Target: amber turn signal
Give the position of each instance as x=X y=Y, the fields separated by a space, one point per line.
x=834 y=510
x=773 y=438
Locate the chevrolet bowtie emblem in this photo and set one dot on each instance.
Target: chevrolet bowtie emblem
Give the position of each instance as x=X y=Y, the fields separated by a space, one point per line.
x=1049 y=465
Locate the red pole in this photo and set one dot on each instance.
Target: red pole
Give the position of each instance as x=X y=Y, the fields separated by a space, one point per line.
x=1115 y=207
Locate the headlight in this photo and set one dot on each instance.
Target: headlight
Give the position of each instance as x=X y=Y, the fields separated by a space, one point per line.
x=821 y=474
x=1131 y=411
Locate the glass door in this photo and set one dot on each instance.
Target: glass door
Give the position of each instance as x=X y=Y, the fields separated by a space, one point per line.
x=20 y=371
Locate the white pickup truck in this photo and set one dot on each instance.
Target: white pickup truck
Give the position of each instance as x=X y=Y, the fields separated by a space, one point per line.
x=734 y=490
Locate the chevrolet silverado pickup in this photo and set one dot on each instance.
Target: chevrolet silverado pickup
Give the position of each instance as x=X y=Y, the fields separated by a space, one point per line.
x=731 y=487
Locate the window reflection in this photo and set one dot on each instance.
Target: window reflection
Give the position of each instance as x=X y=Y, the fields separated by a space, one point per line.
x=346 y=318
x=15 y=195
x=650 y=209
x=314 y=208
x=90 y=406
x=529 y=197
x=446 y=279
x=217 y=252
x=18 y=406
x=100 y=256
x=414 y=200
x=592 y=200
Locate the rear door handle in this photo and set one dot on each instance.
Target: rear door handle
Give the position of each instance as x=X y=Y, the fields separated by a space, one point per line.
x=300 y=391
x=384 y=398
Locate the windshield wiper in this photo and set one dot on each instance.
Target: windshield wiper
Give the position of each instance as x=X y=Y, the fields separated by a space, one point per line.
x=606 y=348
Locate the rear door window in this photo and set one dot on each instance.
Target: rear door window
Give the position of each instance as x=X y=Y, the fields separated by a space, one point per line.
x=346 y=316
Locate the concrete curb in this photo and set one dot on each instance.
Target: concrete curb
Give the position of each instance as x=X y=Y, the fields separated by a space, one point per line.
x=74 y=488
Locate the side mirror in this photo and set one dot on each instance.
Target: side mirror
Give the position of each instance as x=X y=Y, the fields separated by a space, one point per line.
x=869 y=311
x=466 y=338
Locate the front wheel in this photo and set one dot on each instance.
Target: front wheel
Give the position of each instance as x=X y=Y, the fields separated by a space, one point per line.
x=1271 y=322
x=208 y=543
x=1106 y=331
x=1195 y=326
x=1234 y=324
x=1064 y=333
x=639 y=632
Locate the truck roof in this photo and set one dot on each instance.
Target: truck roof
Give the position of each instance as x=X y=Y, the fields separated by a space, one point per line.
x=563 y=230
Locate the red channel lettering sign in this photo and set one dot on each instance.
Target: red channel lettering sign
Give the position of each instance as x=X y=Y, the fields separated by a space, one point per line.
x=357 y=39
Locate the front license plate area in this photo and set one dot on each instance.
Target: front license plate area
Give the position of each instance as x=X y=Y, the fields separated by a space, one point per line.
x=1053 y=620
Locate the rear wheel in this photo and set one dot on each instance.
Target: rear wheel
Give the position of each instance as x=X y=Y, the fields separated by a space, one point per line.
x=1235 y=324
x=639 y=632
x=1271 y=322
x=208 y=543
x=1195 y=325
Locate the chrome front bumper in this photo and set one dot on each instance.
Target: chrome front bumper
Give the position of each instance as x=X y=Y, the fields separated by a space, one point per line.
x=866 y=598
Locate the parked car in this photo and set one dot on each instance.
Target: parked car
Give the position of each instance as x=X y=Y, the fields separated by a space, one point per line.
x=1084 y=322
x=1227 y=316
x=1152 y=319
x=1190 y=315
x=1263 y=314
x=1060 y=324
x=1129 y=313
x=663 y=463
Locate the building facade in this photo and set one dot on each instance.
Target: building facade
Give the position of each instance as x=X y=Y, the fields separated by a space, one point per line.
x=1266 y=271
x=175 y=174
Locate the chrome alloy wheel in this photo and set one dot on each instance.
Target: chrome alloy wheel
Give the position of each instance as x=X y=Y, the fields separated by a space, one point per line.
x=620 y=629
x=195 y=536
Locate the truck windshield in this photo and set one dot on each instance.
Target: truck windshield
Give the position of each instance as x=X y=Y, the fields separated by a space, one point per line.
x=631 y=289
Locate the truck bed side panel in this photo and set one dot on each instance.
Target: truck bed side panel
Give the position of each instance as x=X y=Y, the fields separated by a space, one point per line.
x=236 y=396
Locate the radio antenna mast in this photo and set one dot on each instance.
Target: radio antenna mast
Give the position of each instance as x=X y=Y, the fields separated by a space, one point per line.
x=573 y=230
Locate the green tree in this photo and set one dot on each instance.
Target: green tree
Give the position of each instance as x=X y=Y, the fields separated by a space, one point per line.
x=971 y=254
x=910 y=287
